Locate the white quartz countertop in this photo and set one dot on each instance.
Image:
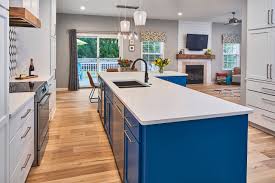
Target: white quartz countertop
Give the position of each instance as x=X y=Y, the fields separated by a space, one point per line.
x=18 y=100
x=165 y=102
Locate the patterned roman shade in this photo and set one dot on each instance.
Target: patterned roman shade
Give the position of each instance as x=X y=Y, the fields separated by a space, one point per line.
x=231 y=38
x=153 y=36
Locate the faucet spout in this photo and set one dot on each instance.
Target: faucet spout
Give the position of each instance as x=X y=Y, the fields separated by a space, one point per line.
x=146 y=79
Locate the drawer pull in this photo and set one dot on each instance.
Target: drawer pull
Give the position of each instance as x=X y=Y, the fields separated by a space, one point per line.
x=267 y=100
x=129 y=124
x=26 y=114
x=128 y=137
x=265 y=116
x=26 y=162
x=268 y=89
x=26 y=133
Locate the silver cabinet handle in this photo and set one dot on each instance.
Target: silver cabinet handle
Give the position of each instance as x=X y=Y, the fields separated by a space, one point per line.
x=26 y=114
x=26 y=162
x=268 y=89
x=267 y=100
x=267 y=70
x=270 y=73
x=268 y=17
x=129 y=124
x=272 y=14
x=265 y=116
x=128 y=137
x=26 y=133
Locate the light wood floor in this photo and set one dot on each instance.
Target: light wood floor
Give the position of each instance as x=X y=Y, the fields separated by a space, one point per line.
x=78 y=150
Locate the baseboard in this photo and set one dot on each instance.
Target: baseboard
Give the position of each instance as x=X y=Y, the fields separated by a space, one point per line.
x=61 y=89
x=262 y=128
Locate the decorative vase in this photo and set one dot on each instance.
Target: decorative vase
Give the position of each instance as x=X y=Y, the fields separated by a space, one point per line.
x=161 y=69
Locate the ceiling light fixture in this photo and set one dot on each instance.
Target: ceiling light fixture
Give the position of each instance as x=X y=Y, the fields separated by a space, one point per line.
x=140 y=17
x=82 y=8
x=179 y=13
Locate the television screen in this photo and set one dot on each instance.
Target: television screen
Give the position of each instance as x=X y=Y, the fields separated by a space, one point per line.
x=196 y=42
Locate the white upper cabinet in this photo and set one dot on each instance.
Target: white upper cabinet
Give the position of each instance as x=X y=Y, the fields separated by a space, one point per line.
x=4 y=114
x=259 y=14
x=257 y=54
x=53 y=18
x=272 y=12
x=31 y=5
x=4 y=4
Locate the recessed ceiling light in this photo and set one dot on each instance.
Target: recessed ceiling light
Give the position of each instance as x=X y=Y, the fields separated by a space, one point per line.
x=82 y=8
x=179 y=13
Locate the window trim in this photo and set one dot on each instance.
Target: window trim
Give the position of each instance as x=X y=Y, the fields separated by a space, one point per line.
x=162 y=49
x=226 y=54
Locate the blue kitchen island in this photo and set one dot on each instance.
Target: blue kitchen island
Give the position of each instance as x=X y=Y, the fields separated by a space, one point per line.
x=167 y=133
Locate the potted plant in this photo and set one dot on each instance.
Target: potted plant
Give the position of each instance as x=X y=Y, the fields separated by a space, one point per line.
x=125 y=64
x=161 y=63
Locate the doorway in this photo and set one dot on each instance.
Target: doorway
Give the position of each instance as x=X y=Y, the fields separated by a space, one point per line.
x=96 y=53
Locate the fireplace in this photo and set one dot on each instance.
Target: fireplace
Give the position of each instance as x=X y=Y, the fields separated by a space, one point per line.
x=195 y=74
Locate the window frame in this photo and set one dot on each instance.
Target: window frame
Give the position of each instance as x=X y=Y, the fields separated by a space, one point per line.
x=238 y=55
x=162 y=52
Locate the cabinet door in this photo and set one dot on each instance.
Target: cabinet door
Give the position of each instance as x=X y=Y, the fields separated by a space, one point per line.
x=258 y=54
x=4 y=4
x=272 y=13
x=53 y=56
x=108 y=119
x=258 y=14
x=53 y=18
x=131 y=157
x=272 y=54
x=4 y=116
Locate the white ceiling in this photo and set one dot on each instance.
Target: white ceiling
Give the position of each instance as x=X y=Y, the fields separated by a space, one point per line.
x=193 y=10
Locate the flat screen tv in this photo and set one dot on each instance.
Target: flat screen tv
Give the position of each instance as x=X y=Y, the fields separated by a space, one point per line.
x=196 y=42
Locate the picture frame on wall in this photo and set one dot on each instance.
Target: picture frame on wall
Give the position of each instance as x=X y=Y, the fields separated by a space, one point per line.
x=131 y=48
x=131 y=42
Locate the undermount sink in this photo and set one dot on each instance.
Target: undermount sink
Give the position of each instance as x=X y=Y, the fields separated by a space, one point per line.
x=129 y=84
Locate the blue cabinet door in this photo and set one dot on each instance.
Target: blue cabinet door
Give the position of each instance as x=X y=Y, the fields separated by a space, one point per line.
x=131 y=171
x=108 y=117
x=179 y=80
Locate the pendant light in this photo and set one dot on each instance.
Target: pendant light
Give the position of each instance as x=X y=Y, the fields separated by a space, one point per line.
x=125 y=24
x=140 y=17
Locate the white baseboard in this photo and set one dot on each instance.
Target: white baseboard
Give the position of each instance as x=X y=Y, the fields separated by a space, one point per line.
x=61 y=89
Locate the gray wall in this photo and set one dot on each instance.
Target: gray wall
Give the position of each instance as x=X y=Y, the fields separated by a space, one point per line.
x=100 y=23
x=218 y=30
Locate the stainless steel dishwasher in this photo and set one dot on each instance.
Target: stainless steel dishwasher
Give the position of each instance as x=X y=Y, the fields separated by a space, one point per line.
x=117 y=123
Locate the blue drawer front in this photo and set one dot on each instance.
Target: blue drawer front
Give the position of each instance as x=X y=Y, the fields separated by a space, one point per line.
x=179 y=80
x=132 y=123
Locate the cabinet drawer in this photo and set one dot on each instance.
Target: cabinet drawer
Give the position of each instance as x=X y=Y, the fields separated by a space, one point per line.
x=17 y=121
x=260 y=100
x=24 y=165
x=133 y=124
x=20 y=142
x=261 y=87
x=263 y=118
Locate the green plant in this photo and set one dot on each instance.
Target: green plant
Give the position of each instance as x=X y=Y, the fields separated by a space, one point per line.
x=125 y=62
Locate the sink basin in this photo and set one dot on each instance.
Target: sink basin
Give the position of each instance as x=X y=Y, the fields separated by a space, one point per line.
x=129 y=84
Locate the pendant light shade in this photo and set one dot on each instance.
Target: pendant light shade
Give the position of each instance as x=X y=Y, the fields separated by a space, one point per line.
x=125 y=26
x=140 y=18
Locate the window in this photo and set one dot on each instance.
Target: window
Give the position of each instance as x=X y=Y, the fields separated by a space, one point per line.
x=152 y=50
x=231 y=56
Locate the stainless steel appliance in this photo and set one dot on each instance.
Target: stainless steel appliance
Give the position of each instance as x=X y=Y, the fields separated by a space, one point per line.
x=118 y=134
x=41 y=114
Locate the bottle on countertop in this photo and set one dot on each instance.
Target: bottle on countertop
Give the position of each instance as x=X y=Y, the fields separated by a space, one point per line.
x=31 y=68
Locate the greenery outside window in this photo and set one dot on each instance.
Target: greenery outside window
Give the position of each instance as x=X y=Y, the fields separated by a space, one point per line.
x=231 y=56
x=151 y=50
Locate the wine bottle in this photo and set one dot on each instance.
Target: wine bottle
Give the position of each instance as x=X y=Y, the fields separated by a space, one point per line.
x=31 y=68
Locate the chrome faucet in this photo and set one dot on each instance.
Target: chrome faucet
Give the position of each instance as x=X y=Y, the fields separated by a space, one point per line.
x=146 y=69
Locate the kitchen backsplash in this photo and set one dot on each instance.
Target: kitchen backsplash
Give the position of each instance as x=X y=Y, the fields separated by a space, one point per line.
x=13 y=52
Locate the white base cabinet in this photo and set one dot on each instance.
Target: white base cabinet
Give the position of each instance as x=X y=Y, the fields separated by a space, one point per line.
x=21 y=143
x=52 y=101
